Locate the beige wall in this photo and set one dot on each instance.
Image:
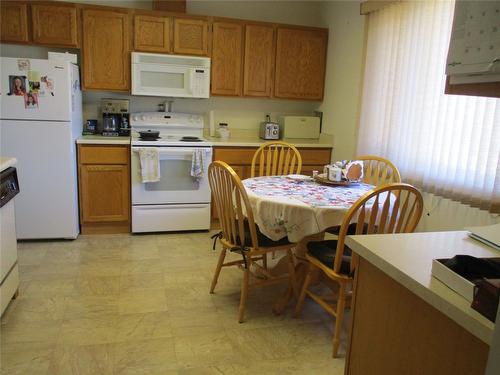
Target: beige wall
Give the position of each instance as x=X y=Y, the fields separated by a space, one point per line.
x=345 y=64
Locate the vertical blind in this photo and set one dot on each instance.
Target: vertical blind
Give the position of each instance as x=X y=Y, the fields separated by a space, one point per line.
x=447 y=145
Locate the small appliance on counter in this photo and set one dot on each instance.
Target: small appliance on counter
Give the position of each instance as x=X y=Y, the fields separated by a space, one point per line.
x=300 y=126
x=269 y=130
x=115 y=118
x=223 y=131
x=90 y=127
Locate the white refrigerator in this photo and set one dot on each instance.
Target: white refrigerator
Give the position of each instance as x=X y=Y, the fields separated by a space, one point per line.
x=40 y=119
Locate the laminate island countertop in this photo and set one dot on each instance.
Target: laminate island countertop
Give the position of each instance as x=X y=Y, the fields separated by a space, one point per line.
x=101 y=140
x=407 y=258
x=6 y=162
x=403 y=320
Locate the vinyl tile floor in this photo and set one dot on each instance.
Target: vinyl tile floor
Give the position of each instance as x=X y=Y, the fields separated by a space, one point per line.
x=140 y=304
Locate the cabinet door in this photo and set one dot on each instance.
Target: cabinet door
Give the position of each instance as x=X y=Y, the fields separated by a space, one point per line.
x=259 y=60
x=55 y=24
x=300 y=63
x=14 y=18
x=151 y=34
x=190 y=36
x=106 y=50
x=227 y=56
x=104 y=192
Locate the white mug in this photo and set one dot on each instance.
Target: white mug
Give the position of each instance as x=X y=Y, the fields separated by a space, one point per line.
x=334 y=173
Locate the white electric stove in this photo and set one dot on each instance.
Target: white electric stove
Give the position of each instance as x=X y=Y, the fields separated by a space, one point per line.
x=178 y=201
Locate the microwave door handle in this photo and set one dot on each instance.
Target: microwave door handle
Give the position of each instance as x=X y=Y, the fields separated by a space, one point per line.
x=190 y=82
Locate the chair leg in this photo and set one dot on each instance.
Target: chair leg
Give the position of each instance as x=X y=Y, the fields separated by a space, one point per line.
x=244 y=294
x=338 y=320
x=291 y=272
x=264 y=261
x=220 y=262
x=302 y=297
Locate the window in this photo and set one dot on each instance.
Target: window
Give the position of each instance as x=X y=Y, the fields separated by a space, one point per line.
x=445 y=144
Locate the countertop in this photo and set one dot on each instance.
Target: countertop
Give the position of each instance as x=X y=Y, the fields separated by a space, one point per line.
x=238 y=139
x=243 y=140
x=100 y=140
x=6 y=162
x=407 y=258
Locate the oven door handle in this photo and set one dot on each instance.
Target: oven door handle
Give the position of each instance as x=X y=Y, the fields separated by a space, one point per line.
x=177 y=153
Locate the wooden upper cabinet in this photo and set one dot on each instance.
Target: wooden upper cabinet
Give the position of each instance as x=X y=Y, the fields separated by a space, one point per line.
x=152 y=33
x=300 y=63
x=106 y=50
x=227 y=58
x=14 y=19
x=191 y=36
x=259 y=60
x=55 y=24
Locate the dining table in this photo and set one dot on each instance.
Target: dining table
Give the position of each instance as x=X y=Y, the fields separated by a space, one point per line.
x=301 y=209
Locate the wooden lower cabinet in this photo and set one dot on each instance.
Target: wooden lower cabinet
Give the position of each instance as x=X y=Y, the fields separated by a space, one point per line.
x=104 y=188
x=393 y=331
x=240 y=159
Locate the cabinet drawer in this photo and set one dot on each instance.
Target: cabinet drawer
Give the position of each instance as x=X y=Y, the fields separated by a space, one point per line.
x=103 y=154
x=244 y=155
x=235 y=155
x=318 y=156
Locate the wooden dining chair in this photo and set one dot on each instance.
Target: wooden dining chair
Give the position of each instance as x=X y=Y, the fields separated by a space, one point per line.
x=376 y=171
x=241 y=235
x=391 y=208
x=276 y=158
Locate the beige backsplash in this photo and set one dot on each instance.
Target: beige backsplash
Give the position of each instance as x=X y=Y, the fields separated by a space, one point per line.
x=239 y=113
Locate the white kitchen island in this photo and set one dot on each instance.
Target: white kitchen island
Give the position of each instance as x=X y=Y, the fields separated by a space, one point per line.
x=404 y=321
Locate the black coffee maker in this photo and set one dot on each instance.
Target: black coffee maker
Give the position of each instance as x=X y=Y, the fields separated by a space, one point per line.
x=115 y=117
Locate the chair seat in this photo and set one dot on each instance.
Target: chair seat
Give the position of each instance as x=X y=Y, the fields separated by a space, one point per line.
x=351 y=229
x=264 y=241
x=325 y=252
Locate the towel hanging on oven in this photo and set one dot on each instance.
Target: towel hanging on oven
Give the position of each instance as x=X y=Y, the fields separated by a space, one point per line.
x=198 y=163
x=150 y=164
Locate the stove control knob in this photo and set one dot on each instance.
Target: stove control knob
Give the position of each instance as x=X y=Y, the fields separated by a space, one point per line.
x=143 y=118
x=135 y=118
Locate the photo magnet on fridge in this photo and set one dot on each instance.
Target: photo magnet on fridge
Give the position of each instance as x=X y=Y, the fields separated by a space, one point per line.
x=17 y=85
x=31 y=100
x=23 y=64
x=34 y=80
x=47 y=86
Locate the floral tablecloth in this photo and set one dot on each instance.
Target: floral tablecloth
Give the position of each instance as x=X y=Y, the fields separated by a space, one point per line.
x=287 y=207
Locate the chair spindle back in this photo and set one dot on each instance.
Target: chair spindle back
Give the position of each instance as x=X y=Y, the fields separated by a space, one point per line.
x=276 y=158
x=390 y=208
x=379 y=171
x=233 y=207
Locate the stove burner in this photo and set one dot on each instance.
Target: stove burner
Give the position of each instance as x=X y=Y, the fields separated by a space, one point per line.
x=191 y=139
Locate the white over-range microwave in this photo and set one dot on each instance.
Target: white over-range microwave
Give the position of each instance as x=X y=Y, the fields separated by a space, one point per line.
x=170 y=75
